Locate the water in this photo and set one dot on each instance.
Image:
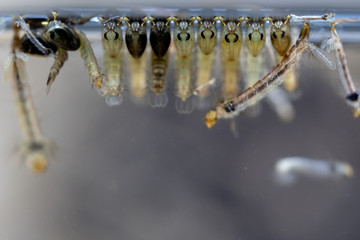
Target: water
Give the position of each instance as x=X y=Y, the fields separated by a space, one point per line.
x=134 y=172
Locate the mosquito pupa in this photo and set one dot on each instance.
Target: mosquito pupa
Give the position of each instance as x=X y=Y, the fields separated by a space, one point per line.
x=230 y=44
x=71 y=39
x=184 y=41
x=136 y=43
x=136 y=39
x=255 y=39
x=281 y=35
x=206 y=39
x=160 y=39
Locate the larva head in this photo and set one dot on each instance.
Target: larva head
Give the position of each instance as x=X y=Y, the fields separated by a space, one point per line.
x=255 y=38
x=211 y=118
x=111 y=37
x=36 y=153
x=184 y=39
x=280 y=37
x=61 y=35
x=348 y=170
x=207 y=37
x=37 y=162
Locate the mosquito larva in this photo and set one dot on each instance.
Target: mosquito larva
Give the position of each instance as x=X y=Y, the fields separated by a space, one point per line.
x=35 y=147
x=233 y=106
x=184 y=40
x=111 y=38
x=352 y=94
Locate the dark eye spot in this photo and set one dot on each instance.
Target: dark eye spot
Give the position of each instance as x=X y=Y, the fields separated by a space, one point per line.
x=52 y=35
x=236 y=38
x=116 y=35
x=274 y=35
x=261 y=36
x=179 y=37
x=353 y=97
x=187 y=36
x=202 y=35
x=282 y=34
x=212 y=34
x=105 y=36
x=227 y=38
x=249 y=36
x=229 y=107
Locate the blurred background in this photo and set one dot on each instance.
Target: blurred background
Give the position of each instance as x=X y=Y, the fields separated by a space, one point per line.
x=135 y=172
